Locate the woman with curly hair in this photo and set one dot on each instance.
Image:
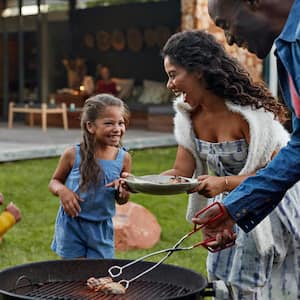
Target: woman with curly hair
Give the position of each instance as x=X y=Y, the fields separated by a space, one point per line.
x=227 y=127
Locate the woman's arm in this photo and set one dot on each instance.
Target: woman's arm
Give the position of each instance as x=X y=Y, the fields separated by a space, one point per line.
x=184 y=164
x=210 y=186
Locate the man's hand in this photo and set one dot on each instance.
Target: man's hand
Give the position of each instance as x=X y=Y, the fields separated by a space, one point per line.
x=221 y=229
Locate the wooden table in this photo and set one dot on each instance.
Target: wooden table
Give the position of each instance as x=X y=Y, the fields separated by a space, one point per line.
x=43 y=110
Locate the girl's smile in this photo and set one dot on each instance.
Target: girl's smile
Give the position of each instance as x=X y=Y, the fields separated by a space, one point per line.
x=109 y=128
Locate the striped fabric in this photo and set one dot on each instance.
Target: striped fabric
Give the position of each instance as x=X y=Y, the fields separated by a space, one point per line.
x=247 y=274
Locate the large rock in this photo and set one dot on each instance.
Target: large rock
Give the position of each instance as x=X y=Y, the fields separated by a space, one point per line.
x=135 y=227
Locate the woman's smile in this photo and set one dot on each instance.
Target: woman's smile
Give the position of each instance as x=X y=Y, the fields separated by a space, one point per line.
x=183 y=83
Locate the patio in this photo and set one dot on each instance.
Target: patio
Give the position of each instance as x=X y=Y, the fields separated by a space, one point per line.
x=24 y=142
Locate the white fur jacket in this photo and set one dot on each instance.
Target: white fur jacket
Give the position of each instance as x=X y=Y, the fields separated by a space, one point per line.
x=266 y=134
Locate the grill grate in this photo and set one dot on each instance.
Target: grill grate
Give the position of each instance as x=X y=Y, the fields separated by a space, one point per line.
x=77 y=290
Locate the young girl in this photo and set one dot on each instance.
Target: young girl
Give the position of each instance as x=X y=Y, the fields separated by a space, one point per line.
x=227 y=128
x=82 y=181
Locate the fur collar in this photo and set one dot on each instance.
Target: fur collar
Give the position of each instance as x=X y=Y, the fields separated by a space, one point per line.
x=266 y=134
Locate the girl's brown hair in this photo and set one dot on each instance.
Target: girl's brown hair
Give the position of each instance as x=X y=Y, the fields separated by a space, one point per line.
x=93 y=109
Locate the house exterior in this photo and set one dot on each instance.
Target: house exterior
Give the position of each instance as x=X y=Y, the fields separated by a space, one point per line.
x=127 y=37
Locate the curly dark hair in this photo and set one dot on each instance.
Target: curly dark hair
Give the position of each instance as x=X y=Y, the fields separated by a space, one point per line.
x=196 y=50
x=93 y=108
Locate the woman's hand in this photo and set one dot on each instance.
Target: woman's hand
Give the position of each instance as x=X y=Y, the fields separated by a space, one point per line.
x=210 y=186
x=70 y=201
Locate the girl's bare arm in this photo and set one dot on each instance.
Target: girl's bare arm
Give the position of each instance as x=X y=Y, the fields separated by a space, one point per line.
x=122 y=194
x=69 y=200
x=63 y=168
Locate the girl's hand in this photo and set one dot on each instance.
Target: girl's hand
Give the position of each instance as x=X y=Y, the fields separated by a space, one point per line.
x=125 y=174
x=210 y=186
x=116 y=183
x=70 y=202
x=122 y=194
x=122 y=189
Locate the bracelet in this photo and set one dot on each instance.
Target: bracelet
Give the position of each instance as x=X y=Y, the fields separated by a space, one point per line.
x=226 y=184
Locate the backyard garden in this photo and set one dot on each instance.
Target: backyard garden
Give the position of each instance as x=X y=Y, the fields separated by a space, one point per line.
x=26 y=184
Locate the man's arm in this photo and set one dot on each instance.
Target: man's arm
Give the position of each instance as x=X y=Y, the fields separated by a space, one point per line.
x=258 y=195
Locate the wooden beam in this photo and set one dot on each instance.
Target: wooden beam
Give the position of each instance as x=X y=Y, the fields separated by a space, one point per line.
x=21 y=51
x=5 y=64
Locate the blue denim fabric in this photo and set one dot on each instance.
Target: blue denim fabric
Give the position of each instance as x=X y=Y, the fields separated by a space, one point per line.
x=89 y=235
x=257 y=196
x=75 y=237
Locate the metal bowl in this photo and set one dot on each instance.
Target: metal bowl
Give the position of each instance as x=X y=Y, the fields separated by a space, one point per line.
x=160 y=184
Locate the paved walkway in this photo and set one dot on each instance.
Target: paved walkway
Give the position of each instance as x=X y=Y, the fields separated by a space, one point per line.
x=24 y=142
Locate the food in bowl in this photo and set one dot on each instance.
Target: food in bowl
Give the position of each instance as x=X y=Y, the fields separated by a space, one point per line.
x=177 y=179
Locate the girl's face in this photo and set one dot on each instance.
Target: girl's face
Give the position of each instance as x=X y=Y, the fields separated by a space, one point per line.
x=183 y=82
x=109 y=127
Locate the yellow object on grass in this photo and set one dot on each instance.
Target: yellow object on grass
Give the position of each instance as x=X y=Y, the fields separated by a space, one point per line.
x=7 y=220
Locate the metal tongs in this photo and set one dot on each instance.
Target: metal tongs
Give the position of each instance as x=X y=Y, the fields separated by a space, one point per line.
x=116 y=271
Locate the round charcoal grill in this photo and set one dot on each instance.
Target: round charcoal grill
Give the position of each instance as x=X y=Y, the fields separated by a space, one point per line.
x=65 y=279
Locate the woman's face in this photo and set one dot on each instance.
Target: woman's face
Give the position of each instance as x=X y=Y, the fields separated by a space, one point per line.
x=181 y=81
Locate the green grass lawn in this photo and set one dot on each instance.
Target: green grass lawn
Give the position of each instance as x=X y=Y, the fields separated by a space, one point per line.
x=26 y=184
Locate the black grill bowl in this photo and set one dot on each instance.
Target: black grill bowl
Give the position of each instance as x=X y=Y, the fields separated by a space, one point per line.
x=65 y=279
